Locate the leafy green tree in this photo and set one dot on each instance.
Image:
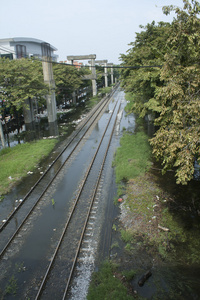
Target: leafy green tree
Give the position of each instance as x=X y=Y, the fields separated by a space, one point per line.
x=67 y=80
x=148 y=50
x=171 y=92
x=20 y=80
x=177 y=142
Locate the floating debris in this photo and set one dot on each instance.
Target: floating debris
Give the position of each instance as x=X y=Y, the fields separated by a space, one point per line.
x=144 y=278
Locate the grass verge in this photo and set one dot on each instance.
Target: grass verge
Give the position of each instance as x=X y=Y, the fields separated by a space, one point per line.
x=17 y=161
x=132 y=157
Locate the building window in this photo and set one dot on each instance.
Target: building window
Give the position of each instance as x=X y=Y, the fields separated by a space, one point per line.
x=20 y=51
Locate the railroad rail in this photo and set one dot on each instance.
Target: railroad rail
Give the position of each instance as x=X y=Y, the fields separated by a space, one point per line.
x=66 y=236
x=8 y=229
x=76 y=224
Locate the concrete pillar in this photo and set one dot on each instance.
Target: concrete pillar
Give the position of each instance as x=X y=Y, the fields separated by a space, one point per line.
x=94 y=84
x=111 y=72
x=74 y=97
x=50 y=98
x=29 y=114
x=103 y=63
x=106 y=75
x=2 y=136
x=74 y=92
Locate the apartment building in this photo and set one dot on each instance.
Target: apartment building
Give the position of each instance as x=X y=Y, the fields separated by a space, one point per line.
x=18 y=47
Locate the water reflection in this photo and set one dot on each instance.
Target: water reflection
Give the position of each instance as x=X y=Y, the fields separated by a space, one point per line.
x=67 y=120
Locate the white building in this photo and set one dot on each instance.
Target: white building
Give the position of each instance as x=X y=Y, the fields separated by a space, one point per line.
x=19 y=47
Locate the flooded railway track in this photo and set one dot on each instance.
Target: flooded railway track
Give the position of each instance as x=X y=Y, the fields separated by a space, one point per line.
x=56 y=268
x=13 y=223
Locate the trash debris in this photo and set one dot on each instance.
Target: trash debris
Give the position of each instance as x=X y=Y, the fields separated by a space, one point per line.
x=144 y=278
x=163 y=228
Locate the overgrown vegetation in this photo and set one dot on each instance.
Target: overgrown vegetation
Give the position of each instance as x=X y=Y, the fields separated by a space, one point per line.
x=169 y=90
x=17 y=161
x=109 y=283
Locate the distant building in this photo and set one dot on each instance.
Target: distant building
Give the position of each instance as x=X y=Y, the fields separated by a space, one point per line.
x=77 y=64
x=15 y=48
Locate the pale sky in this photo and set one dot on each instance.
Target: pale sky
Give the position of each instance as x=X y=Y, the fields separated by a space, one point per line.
x=82 y=27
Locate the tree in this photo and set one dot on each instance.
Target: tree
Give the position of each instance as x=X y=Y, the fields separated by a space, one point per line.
x=177 y=142
x=67 y=80
x=171 y=92
x=20 y=80
x=148 y=50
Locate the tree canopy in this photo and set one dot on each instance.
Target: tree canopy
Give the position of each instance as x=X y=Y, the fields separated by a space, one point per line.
x=171 y=92
x=67 y=79
x=19 y=80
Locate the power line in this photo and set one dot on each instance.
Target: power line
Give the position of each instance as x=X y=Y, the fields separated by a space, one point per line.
x=86 y=66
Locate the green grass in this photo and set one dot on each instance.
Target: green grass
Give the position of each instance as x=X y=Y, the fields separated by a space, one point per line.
x=106 y=284
x=132 y=157
x=17 y=161
x=129 y=97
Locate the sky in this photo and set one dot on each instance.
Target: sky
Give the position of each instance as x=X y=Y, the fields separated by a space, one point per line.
x=82 y=27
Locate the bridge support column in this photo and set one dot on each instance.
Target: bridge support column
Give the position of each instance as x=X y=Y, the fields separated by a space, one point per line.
x=48 y=79
x=29 y=114
x=111 y=73
x=106 y=75
x=50 y=98
x=2 y=136
x=94 y=84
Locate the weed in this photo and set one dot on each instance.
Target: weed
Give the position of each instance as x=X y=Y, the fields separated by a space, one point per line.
x=19 y=267
x=129 y=247
x=129 y=274
x=11 y=288
x=114 y=227
x=106 y=285
x=126 y=235
x=115 y=245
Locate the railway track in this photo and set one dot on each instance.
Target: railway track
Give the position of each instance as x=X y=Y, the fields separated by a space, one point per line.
x=82 y=208
x=61 y=265
x=23 y=210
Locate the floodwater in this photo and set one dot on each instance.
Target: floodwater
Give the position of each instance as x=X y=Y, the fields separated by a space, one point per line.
x=46 y=229
x=171 y=278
